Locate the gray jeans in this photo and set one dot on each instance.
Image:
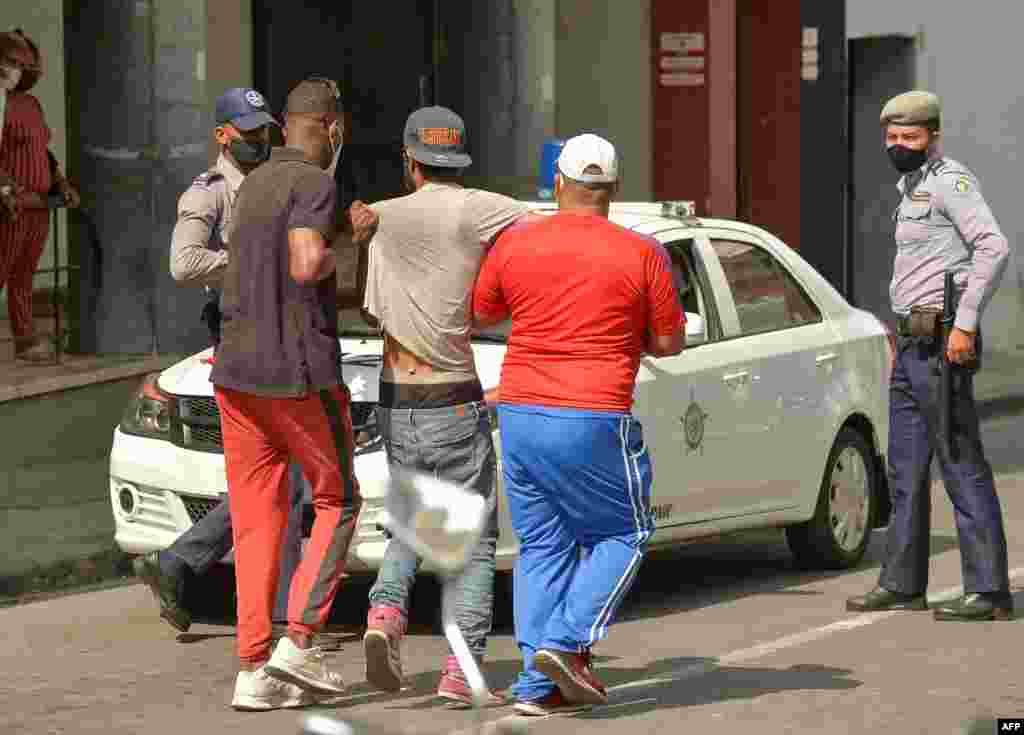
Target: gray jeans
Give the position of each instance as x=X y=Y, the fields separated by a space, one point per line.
x=210 y=539
x=453 y=443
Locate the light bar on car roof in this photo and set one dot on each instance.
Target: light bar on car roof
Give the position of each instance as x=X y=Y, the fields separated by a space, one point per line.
x=683 y=210
x=674 y=209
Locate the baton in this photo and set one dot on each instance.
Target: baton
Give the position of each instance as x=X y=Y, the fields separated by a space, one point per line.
x=945 y=368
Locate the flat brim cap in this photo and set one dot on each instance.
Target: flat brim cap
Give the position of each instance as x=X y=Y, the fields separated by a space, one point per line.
x=916 y=107
x=436 y=136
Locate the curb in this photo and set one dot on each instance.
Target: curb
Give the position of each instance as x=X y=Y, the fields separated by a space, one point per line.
x=107 y=568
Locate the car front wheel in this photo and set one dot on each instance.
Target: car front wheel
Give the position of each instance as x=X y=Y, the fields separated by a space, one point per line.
x=838 y=534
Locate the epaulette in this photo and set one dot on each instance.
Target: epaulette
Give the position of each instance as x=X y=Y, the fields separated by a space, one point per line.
x=207 y=177
x=952 y=168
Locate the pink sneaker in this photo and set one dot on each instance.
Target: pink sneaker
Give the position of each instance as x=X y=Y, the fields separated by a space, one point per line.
x=385 y=627
x=454 y=689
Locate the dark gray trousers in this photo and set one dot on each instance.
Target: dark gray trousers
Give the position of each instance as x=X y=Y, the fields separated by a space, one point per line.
x=209 y=540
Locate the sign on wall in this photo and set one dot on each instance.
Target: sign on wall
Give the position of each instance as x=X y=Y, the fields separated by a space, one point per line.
x=681 y=59
x=809 y=67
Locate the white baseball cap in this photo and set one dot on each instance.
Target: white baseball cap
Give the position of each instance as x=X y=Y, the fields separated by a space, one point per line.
x=587 y=150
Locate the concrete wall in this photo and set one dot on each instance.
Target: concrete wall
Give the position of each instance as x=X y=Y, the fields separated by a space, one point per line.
x=43 y=22
x=229 y=61
x=970 y=55
x=498 y=72
x=604 y=81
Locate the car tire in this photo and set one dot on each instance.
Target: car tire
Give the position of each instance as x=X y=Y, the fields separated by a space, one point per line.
x=837 y=536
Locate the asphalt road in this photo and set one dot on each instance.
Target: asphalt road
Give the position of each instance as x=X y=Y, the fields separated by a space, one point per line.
x=719 y=637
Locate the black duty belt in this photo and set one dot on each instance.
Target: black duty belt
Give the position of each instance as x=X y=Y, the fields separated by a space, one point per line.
x=920 y=323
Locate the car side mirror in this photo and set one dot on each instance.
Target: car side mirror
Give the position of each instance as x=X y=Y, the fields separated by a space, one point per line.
x=696 y=330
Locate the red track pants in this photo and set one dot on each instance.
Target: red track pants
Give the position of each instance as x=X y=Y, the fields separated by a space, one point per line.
x=260 y=436
x=21 y=246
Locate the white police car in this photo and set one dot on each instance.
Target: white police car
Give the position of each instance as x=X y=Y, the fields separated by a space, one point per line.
x=775 y=414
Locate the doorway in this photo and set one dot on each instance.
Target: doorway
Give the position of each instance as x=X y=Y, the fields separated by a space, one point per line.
x=880 y=68
x=382 y=55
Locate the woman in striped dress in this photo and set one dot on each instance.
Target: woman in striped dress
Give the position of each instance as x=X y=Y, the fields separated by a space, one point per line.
x=23 y=158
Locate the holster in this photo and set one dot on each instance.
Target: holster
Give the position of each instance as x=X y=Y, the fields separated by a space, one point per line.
x=921 y=322
x=211 y=316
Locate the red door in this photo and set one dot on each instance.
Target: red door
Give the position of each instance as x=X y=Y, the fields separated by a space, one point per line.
x=768 y=116
x=681 y=122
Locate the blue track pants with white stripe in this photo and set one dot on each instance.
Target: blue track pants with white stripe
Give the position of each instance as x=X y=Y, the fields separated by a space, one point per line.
x=578 y=487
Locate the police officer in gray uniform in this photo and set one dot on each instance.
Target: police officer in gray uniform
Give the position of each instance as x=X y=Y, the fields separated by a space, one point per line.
x=199 y=257
x=942 y=223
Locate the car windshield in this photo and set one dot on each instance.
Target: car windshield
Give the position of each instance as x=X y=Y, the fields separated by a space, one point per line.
x=352 y=326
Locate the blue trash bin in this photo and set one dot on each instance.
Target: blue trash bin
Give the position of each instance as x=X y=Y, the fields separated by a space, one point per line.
x=548 y=166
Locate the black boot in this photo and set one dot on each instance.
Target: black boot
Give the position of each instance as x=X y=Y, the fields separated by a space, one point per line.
x=880 y=599
x=977 y=606
x=168 y=589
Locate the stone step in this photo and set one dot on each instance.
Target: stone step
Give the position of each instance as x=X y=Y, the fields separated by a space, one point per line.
x=44 y=326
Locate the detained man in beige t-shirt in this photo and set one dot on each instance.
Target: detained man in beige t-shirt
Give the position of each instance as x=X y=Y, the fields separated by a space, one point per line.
x=422 y=265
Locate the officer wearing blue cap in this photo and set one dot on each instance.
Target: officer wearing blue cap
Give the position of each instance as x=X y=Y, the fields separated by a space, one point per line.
x=199 y=257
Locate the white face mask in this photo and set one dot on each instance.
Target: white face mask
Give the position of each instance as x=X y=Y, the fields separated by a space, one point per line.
x=9 y=77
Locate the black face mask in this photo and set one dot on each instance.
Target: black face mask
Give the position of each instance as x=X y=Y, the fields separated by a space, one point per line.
x=906 y=159
x=249 y=154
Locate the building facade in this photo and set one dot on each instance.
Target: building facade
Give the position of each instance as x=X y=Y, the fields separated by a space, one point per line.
x=967 y=54
x=715 y=101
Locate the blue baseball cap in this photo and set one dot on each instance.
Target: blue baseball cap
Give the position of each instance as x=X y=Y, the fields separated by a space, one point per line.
x=244 y=108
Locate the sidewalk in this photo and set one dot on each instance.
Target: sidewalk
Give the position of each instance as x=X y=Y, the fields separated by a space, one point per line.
x=999 y=385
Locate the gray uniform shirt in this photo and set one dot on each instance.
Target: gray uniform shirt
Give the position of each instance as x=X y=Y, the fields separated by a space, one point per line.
x=943 y=223
x=198 y=252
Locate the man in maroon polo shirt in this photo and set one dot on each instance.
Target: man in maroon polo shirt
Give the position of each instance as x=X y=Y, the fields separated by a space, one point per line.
x=281 y=396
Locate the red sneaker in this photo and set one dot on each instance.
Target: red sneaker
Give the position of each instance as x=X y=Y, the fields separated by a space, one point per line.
x=385 y=627
x=454 y=689
x=553 y=704
x=573 y=675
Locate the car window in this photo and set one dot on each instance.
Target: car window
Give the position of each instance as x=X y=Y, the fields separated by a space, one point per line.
x=684 y=276
x=766 y=295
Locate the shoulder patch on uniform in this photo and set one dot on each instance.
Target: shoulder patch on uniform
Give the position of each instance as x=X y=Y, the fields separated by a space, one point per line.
x=962 y=185
x=206 y=178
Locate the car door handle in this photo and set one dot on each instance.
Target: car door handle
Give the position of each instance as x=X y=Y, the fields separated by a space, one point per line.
x=736 y=378
x=826 y=358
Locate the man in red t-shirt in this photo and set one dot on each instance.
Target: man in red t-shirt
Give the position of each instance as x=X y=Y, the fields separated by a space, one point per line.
x=587 y=298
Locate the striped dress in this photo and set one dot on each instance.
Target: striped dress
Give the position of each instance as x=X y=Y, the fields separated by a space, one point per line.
x=23 y=157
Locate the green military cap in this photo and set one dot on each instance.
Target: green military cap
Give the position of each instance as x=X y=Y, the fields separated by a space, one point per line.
x=912 y=108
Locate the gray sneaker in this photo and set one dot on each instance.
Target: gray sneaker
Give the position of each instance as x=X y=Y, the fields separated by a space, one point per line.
x=166 y=589
x=304 y=667
x=257 y=691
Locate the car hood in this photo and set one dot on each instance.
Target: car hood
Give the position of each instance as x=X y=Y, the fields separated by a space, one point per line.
x=361 y=369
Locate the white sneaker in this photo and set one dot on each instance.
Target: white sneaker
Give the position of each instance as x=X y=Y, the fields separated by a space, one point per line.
x=258 y=691
x=304 y=667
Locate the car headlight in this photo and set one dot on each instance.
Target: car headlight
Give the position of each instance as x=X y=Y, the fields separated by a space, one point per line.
x=149 y=412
